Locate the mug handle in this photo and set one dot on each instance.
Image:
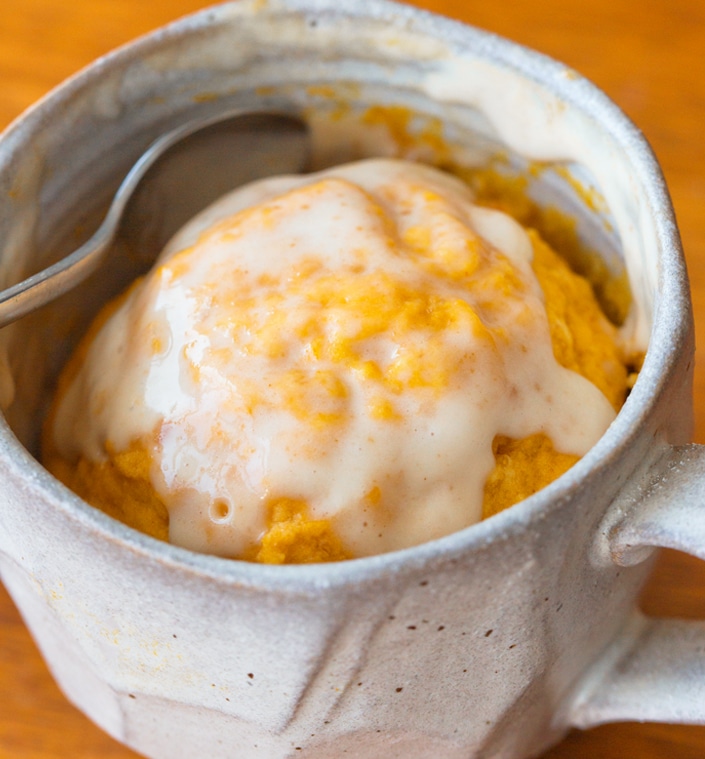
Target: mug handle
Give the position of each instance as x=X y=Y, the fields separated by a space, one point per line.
x=655 y=670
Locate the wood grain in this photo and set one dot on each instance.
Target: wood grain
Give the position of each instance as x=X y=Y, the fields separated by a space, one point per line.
x=646 y=54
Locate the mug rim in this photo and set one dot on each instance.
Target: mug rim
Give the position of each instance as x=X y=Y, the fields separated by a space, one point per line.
x=670 y=328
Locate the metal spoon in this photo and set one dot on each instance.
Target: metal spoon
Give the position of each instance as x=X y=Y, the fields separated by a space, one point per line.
x=180 y=173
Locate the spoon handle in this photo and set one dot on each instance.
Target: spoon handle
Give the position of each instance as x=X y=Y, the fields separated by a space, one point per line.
x=281 y=142
x=55 y=280
x=47 y=285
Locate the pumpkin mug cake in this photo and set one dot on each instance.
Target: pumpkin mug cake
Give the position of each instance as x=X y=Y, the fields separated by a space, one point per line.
x=336 y=365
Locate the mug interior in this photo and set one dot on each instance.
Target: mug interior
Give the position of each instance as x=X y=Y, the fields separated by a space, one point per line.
x=379 y=79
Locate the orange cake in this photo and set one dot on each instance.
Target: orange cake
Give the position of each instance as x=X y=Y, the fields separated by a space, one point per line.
x=333 y=366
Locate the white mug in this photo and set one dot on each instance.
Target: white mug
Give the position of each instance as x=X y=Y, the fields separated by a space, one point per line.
x=491 y=642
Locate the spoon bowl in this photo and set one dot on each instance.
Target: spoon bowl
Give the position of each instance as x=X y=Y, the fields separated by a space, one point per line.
x=179 y=174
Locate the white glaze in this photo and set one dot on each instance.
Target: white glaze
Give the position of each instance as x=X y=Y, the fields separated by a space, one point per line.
x=238 y=426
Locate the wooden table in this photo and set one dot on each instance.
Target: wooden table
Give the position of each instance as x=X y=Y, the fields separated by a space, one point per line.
x=646 y=54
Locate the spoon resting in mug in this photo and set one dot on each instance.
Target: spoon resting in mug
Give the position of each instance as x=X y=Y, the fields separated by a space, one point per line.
x=179 y=174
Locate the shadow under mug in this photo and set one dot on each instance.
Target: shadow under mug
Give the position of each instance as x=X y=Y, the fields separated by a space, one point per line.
x=489 y=642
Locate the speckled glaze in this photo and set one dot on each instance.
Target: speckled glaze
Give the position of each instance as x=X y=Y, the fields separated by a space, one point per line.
x=490 y=642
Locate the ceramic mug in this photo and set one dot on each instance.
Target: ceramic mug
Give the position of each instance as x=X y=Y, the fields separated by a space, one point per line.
x=490 y=642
